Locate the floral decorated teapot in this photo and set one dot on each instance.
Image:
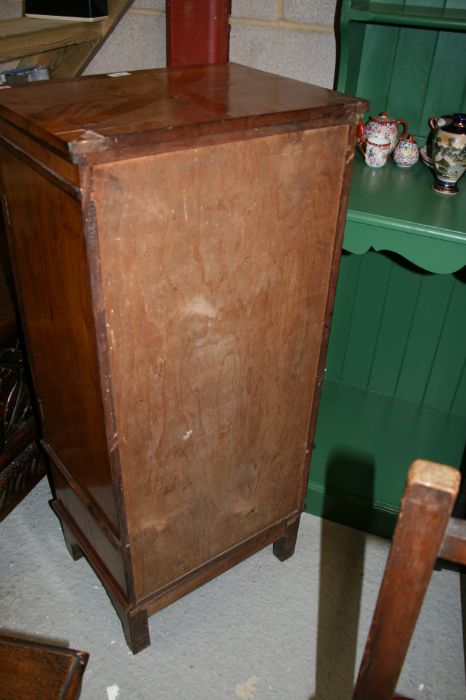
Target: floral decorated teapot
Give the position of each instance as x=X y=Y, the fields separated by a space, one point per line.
x=382 y=126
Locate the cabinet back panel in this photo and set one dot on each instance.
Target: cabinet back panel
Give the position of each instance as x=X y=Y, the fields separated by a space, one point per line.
x=51 y=270
x=215 y=266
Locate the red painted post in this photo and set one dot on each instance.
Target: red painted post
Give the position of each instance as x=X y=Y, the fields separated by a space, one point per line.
x=198 y=31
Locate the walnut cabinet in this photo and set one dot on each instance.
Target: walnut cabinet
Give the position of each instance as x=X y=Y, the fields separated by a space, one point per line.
x=175 y=237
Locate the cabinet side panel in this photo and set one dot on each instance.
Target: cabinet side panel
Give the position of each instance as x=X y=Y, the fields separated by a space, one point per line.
x=49 y=260
x=215 y=265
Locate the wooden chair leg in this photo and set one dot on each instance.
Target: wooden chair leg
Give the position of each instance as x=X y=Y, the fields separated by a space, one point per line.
x=425 y=510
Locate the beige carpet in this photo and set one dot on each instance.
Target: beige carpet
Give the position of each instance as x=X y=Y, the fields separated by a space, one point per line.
x=262 y=631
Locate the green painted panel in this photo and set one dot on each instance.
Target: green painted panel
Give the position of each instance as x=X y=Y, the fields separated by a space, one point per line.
x=402 y=200
x=424 y=336
x=343 y=311
x=395 y=386
x=446 y=88
x=352 y=43
x=410 y=80
x=400 y=307
x=458 y=404
x=369 y=303
x=421 y=3
x=414 y=80
x=364 y=445
x=408 y=15
x=400 y=331
x=380 y=46
x=448 y=365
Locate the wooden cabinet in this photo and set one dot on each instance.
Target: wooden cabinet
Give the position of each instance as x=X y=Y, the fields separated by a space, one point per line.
x=395 y=387
x=175 y=237
x=38 y=670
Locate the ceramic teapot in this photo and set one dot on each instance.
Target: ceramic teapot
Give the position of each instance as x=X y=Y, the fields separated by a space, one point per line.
x=448 y=151
x=382 y=125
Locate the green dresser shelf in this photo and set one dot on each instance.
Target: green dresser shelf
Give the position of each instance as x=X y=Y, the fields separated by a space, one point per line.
x=409 y=15
x=395 y=382
x=395 y=209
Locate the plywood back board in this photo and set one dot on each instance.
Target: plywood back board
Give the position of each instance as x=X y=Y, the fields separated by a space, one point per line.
x=215 y=266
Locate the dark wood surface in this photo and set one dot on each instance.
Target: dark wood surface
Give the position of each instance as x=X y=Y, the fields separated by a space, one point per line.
x=178 y=342
x=424 y=531
x=31 y=670
x=7 y=314
x=21 y=464
x=48 y=251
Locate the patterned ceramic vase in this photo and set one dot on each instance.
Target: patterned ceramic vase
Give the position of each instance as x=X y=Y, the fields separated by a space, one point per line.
x=382 y=126
x=406 y=153
x=448 y=152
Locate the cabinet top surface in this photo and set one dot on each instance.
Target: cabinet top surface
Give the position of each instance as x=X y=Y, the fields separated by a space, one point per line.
x=94 y=113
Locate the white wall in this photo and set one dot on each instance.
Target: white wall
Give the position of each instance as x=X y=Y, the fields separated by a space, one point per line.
x=137 y=42
x=294 y=38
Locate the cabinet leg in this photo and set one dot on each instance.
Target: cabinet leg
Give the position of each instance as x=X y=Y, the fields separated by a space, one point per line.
x=285 y=546
x=136 y=630
x=71 y=542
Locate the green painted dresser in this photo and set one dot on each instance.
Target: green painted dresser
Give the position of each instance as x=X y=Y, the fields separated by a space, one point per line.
x=395 y=383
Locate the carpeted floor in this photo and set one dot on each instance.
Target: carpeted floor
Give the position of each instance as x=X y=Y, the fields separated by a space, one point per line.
x=262 y=631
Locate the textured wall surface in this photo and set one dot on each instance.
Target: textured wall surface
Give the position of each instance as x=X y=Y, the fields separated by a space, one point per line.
x=137 y=42
x=294 y=38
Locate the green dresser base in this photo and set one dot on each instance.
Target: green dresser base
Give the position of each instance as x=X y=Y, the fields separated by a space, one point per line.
x=365 y=442
x=395 y=387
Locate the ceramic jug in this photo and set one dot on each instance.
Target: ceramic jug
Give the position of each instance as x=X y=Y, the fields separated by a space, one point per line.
x=448 y=151
x=375 y=150
x=382 y=125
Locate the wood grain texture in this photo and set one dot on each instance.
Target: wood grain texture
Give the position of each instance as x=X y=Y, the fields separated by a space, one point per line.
x=21 y=464
x=426 y=506
x=454 y=543
x=215 y=293
x=7 y=314
x=58 y=324
x=32 y=670
x=23 y=36
x=158 y=106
